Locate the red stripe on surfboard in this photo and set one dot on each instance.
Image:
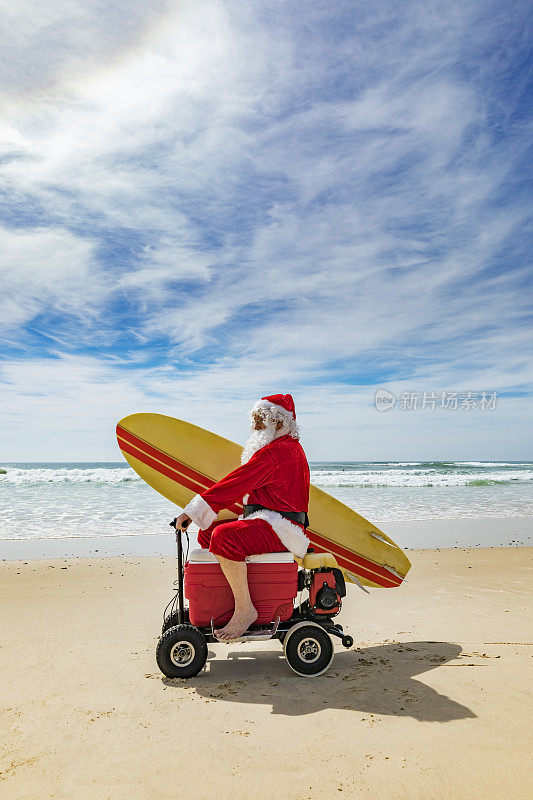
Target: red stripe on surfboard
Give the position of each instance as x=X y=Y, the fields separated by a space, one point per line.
x=150 y=450
x=168 y=471
x=164 y=457
x=372 y=565
x=352 y=566
x=353 y=563
x=348 y=554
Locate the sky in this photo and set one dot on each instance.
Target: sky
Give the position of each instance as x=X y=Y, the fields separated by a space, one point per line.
x=207 y=202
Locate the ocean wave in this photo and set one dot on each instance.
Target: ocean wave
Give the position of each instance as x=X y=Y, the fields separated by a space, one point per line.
x=494 y=463
x=487 y=482
x=28 y=476
x=371 y=479
x=328 y=476
x=403 y=463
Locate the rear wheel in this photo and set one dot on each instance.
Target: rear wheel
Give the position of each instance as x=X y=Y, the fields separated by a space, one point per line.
x=308 y=649
x=181 y=652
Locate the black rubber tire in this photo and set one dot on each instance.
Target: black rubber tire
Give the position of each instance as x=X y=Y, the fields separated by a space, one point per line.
x=171 y=621
x=183 y=643
x=347 y=640
x=316 y=637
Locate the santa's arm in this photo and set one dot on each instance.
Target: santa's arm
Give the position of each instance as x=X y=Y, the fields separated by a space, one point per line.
x=204 y=507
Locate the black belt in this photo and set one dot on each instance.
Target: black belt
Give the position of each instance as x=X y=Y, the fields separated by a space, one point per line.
x=295 y=516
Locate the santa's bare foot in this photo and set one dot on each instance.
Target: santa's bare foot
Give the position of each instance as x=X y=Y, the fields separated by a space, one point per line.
x=238 y=624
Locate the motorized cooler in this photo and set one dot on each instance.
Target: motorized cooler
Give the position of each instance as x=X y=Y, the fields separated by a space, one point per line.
x=272 y=578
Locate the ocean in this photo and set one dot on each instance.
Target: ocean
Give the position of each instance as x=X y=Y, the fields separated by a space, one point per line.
x=92 y=501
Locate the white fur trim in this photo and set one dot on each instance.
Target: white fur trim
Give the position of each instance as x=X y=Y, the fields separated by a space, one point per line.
x=291 y=535
x=200 y=512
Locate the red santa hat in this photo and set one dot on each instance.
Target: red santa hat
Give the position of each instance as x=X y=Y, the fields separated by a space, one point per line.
x=282 y=403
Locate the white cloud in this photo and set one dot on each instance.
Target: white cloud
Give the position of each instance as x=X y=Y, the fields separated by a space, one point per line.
x=44 y=269
x=66 y=409
x=281 y=225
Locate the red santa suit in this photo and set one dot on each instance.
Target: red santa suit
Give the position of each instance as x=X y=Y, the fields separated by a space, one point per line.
x=277 y=477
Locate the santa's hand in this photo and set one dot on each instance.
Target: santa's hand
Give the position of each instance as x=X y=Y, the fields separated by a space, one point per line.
x=182 y=522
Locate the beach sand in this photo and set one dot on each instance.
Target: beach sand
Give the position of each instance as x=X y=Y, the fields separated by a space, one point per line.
x=432 y=701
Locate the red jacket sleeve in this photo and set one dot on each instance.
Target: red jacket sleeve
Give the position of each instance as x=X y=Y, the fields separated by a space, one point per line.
x=258 y=471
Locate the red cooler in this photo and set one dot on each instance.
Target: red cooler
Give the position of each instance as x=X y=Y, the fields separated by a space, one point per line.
x=272 y=578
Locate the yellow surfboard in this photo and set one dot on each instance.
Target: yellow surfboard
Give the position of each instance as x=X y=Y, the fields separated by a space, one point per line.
x=179 y=460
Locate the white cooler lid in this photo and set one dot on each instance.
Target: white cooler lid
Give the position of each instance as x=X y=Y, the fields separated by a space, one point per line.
x=205 y=557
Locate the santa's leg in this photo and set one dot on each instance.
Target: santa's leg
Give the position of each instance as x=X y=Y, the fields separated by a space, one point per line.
x=244 y=614
x=231 y=542
x=204 y=536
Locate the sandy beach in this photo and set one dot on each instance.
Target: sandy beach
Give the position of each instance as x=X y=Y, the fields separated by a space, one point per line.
x=432 y=701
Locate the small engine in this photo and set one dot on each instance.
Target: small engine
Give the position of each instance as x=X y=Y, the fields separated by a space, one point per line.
x=326 y=589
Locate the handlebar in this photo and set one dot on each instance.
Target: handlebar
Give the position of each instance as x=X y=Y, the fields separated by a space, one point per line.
x=184 y=525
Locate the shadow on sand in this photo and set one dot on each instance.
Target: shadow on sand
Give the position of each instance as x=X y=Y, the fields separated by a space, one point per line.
x=373 y=680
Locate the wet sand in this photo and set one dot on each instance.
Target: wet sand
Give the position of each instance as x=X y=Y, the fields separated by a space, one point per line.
x=432 y=701
x=428 y=533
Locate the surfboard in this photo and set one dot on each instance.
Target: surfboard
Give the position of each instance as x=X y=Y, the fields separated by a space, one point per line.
x=179 y=459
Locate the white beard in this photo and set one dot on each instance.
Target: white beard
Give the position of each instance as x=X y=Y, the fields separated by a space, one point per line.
x=259 y=439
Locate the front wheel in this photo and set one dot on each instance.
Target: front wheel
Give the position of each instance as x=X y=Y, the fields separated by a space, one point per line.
x=181 y=652
x=308 y=649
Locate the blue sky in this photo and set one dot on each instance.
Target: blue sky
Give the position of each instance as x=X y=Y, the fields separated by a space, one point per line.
x=206 y=202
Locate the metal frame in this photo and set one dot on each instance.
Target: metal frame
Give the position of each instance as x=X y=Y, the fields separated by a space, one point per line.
x=181 y=594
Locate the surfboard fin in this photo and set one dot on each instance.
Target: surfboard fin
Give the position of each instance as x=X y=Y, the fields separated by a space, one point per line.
x=381 y=539
x=357 y=582
x=396 y=574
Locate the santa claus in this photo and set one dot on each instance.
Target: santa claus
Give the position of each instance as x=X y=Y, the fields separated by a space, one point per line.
x=273 y=484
